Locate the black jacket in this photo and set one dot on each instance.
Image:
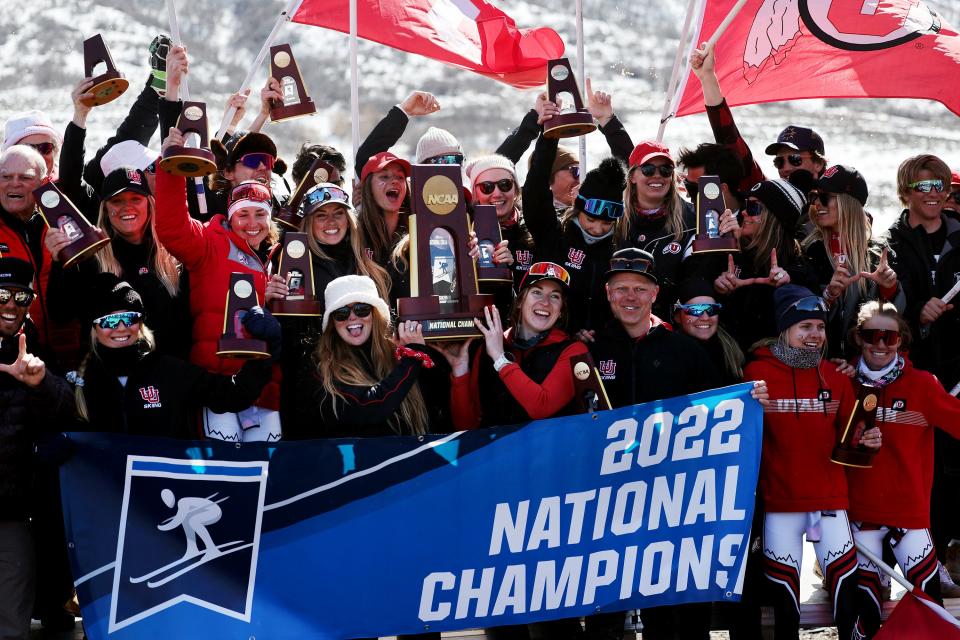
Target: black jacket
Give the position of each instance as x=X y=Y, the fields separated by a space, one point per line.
x=662 y=364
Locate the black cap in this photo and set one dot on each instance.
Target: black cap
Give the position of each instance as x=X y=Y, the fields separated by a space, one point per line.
x=109 y=294
x=15 y=272
x=796 y=139
x=695 y=288
x=124 y=179
x=632 y=260
x=844 y=179
x=243 y=142
x=606 y=182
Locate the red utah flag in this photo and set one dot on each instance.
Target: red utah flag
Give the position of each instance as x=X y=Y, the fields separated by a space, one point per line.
x=790 y=49
x=916 y=617
x=472 y=34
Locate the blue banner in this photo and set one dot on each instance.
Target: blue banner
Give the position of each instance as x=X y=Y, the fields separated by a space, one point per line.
x=641 y=506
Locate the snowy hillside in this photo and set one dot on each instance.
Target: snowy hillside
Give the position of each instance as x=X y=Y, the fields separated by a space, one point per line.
x=629 y=52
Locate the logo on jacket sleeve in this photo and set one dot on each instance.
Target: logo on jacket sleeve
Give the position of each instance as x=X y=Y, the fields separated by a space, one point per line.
x=151 y=397
x=575 y=257
x=608 y=369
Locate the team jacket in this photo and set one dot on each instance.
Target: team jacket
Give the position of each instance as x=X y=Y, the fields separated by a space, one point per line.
x=24 y=240
x=895 y=491
x=537 y=385
x=808 y=409
x=210 y=251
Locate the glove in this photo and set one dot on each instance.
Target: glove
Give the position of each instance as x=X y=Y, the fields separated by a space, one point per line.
x=158 y=63
x=262 y=325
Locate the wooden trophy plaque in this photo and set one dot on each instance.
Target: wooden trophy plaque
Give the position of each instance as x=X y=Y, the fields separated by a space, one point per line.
x=588 y=390
x=710 y=207
x=296 y=102
x=296 y=267
x=109 y=85
x=59 y=213
x=848 y=451
x=290 y=215
x=443 y=277
x=487 y=228
x=573 y=120
x=236 y=341
x=193 y=162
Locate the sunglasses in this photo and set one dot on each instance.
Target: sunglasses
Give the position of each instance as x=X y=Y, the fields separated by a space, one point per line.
x=254 y=192
x=319 y=195
x=360 y=309
x=20 y=297
x=795 y=160
x=541 y=270
x=874 y=336
x=822 y=197
x=254 y=160
x=447 y=158
x=640 y=265
x=700 y=308
x=602 y=208
x=574 y=170
x=808 y=304
x=666 y=170
x=926 y=186
x=43 y=148
x=151 y=168
x=113 y=320
x=486 y=187
x=753 y=208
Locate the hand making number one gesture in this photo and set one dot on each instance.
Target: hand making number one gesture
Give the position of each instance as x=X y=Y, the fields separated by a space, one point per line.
x=28 y=368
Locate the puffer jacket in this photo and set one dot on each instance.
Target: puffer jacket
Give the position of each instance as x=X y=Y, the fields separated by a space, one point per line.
x=211 y=252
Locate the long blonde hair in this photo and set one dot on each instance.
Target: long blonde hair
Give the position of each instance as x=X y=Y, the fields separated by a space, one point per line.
x=672 y=202
x=366 y=266
x=340 y=363
x=145 y=343
x=770 y=235
x=164 y=265
x=855 y=231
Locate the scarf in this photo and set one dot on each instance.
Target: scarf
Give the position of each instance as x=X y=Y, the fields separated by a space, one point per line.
x=589 y=239
x=794 y=357
x=879 y=379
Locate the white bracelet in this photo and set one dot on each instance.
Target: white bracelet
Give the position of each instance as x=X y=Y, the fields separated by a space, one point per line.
x=501 y=362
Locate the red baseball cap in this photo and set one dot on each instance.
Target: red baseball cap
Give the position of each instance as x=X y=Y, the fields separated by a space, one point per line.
x=380 y=162
x=648 y=150
x=955 y=178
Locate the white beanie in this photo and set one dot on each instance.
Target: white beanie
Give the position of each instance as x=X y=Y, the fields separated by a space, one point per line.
x=349 y=290
x=128 y=153
x=474 y=168
x=436 y=142
x=27 y=123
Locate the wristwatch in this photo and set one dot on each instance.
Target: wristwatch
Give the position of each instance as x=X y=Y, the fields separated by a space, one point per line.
x=501 y=362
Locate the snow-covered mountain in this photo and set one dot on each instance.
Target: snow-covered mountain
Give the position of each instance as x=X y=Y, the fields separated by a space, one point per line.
x=629 y=49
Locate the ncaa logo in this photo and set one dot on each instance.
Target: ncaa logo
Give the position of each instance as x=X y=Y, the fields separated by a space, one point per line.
x=867 y=25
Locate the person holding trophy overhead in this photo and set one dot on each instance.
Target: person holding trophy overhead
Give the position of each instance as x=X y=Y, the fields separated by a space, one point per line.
x=239 y=241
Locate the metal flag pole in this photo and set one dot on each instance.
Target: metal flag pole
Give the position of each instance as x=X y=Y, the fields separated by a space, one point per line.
x=580 y=72
x=726 y=22
x=284 y=16
x=667 y=113
x=354 y=87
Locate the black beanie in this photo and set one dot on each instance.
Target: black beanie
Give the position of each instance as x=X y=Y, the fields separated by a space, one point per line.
x=109 y=294
x=788 y=315
x=694 y=288
x=606 y=182
x=782 y=199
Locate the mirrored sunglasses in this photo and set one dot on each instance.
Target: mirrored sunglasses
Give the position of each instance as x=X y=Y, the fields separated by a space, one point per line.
x=447 y=158
x=926 y=186
x=795 y=160
x=874 y=336
x=810 y=303
x=360 y=310
x=43 y=148
x=254 y=160
x=548 y=270
x=640 y=265
x=255 y=192
x=151 y=168
x=574 y=170
x=602 y=208
x=700 y=308
x=486 y=187
x=318 y=195
x=648 y=169
x=113 y=320
x=20 y=297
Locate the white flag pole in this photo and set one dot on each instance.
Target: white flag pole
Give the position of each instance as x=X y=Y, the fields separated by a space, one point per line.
x=354 y=86
x=726 y=22
x=667 y=112
x=283 y=17
x=580 y=72
x=884 y=567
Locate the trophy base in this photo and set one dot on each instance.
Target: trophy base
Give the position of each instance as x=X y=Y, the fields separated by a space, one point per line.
x=106 y=88
x=83 y=247
x=438 y=325
x=569 y=125
x=289 y=219
x=849 y=457
x=188 y=162
x=704 y=244
x=305 y=108
x=282 y=307
x=242 y=348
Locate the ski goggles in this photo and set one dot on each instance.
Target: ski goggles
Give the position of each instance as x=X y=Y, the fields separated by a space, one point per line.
x=254 y=160
x=321 y=195
x=795 y=160
x=487 y=186
x=545 y=271
x=809 y=304
x=113 y=320
x=43 y=148
x=926 y=186
x=447 y=158
x=598 y=208
x=648 y=169
x=20 y=297
x=874 y=336
x=699 y=308
x=359 y=309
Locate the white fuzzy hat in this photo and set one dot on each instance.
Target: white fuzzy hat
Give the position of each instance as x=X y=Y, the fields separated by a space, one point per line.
x=128 y=153
x=477 y=166
x=436 y=142
x=27 y=123
x=349 y=290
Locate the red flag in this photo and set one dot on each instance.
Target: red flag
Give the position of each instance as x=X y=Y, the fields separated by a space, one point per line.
x=789 y=49
x=916 y=617
x=472 y=34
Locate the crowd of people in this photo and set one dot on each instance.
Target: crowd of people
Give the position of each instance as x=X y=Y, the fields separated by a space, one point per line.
x=814 y=306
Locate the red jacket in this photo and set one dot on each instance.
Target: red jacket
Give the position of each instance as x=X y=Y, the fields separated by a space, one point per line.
x=895 y=491
x=13 y=244
x=807 y=410
x=210 y=252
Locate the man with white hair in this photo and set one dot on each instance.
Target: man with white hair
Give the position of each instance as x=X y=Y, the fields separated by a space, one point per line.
x=34 y=129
